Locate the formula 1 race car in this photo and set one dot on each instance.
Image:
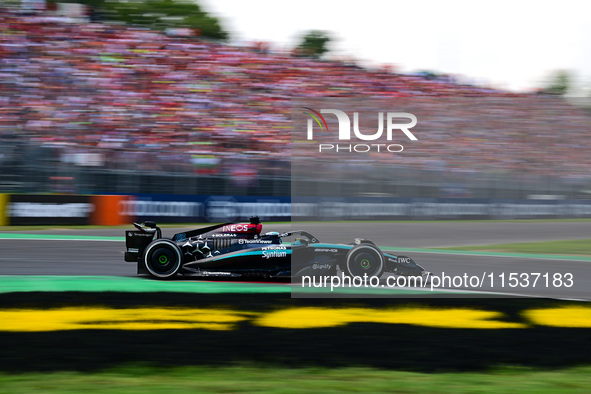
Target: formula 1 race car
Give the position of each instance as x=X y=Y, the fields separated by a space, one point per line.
x=238 y=250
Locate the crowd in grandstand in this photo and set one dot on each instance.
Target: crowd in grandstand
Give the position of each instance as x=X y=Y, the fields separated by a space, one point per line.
x=129 y=92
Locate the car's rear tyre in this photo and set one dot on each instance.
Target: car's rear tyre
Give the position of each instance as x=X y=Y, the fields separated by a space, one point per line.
x=364 y=259
x=162 y=259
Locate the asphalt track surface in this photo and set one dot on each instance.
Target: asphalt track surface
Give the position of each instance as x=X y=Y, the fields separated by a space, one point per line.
x=67 y=257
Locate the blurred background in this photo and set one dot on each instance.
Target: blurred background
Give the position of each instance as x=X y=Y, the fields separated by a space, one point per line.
x=178 y=111
x=179 y=98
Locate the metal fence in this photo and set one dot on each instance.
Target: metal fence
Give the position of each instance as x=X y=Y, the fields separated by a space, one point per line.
x=27 y=167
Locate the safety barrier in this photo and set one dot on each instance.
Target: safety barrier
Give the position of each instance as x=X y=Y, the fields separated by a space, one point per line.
x=67 y=209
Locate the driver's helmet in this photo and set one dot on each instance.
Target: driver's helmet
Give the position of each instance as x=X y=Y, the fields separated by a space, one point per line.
x=274 y=234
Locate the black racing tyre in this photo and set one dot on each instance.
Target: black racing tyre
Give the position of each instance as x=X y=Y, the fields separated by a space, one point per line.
x=364 y=259
x=162 y=258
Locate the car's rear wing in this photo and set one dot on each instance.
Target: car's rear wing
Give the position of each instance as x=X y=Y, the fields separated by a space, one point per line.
x=137 y=241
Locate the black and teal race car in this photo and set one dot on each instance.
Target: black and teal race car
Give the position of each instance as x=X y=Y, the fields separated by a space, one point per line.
x=239 y=250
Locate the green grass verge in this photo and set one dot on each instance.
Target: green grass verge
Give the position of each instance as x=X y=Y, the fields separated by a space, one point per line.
x=567 y=247
x=295 y=380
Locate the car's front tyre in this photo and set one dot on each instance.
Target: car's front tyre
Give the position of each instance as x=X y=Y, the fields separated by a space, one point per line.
x=162 y=258
x=364 y=259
